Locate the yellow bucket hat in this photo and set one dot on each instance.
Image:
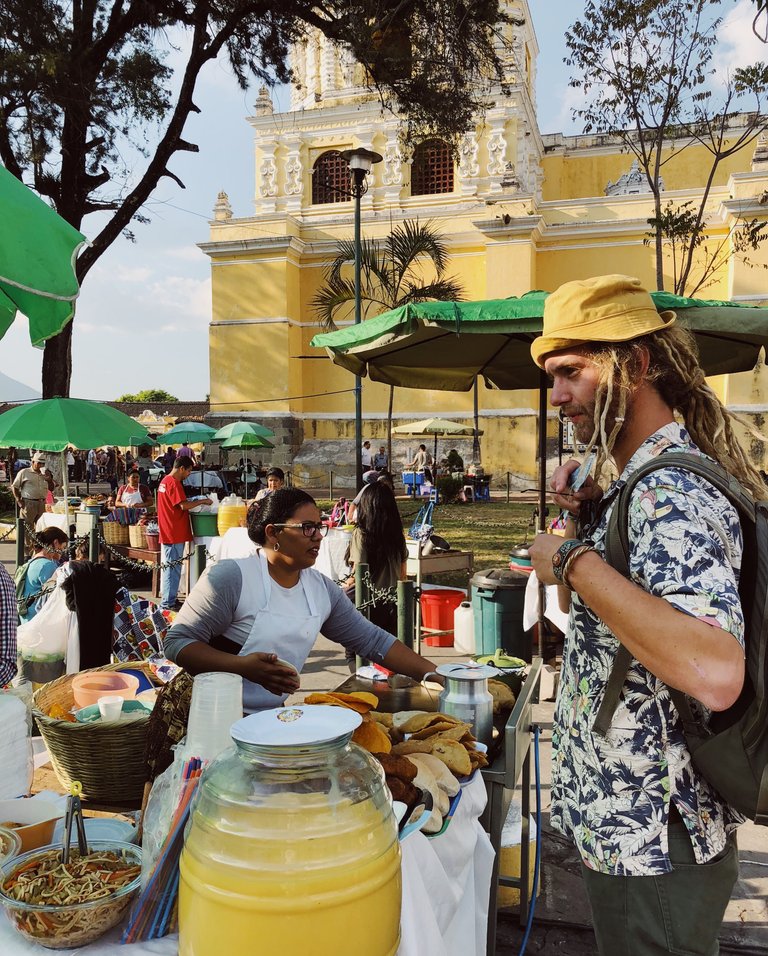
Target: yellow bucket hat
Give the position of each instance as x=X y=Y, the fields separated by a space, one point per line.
x=601 y=309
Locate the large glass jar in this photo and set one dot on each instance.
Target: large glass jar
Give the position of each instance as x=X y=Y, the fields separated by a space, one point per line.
x=292 y=847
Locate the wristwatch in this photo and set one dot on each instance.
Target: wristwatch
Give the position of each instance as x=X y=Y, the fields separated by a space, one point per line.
x=560 y=557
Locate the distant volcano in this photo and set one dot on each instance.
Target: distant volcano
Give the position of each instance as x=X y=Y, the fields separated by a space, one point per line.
x=13 y=391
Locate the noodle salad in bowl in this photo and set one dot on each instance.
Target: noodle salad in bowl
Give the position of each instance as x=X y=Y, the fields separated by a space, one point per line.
x=61 y=906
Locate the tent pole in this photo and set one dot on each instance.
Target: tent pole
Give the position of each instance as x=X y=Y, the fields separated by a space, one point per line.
x=65 y=482
x=542 y=522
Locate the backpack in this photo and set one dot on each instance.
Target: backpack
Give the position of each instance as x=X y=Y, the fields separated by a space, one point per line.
x=731 y=752
x=23 y=603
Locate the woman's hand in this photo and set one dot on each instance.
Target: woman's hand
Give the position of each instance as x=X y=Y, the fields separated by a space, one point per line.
x=264 y=669
x=564 y=496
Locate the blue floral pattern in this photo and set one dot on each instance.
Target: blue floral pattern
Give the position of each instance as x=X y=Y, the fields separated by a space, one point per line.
x=612 y=794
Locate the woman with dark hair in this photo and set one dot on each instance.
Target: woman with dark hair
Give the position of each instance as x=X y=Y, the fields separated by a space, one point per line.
x=259 y=616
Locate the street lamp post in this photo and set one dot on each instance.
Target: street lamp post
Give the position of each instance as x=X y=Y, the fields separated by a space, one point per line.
x=360 y=162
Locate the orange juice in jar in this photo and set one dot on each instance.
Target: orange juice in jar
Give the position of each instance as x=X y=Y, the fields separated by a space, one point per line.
x=292 y=849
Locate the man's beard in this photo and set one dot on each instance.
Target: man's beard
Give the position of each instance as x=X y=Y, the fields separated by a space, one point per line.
x=586 y=427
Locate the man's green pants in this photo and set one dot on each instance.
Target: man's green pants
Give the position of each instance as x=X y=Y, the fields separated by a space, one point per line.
x=679 y=912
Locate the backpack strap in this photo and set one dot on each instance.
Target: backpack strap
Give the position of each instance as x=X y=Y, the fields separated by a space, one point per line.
x=617 y=556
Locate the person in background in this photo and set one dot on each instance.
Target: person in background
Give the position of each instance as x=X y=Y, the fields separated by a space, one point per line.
x=70 y=465
x=42 y=566
x=92 y=466
x=275 y=481
x=133 y=494
x=30 y=489
x=370 y=478
x=366 y=456
x=378 y=541
x=49 y=498
x=175 y=527
x=422 y=462
x=250 y=616
x=143 y=463
x=169 y=458
x=186 y=452
x=8 y=624
x=381 y=459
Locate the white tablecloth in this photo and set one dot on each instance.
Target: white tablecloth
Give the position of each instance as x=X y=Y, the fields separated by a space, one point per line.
x=234 y=544
x=446 y=885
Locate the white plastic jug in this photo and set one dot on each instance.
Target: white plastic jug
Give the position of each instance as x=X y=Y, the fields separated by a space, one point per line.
x=464 y=630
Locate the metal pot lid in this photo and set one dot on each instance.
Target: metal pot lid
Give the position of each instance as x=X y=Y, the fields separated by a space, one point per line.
x=296 y=726
x=469 y=671
x=500 y=578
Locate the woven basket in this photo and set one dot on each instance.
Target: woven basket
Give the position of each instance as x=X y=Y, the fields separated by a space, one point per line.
x=137 y=535
x=115 y=533
x=107 y=759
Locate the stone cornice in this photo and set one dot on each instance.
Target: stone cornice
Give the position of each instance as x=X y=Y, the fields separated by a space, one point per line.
x=519 y=227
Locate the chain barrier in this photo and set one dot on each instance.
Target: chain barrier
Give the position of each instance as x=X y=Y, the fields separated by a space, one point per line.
x=29 y=533
x=139 y=564
x=8 y=533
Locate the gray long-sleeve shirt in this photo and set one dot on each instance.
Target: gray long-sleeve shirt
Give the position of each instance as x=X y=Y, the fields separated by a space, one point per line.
x=220 y=605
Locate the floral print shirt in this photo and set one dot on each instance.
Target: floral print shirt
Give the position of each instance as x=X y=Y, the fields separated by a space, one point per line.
x=612 y=795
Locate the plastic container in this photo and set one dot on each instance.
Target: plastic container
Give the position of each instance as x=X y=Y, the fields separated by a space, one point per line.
x=153 y=541
x=204 y=524
x=73 y=924
x=437 y=607
x=110 y=707
x=232 y=512
x=292 y=846
x=217 y=702
x=10 y=844
x=89 y=686
x=36 y=818
x=464 y=629
x=498 y=599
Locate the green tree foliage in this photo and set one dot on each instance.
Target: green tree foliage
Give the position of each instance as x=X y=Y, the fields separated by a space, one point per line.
x=148 y=395
x=408 y=266
x=647 y=76
x=86 y=84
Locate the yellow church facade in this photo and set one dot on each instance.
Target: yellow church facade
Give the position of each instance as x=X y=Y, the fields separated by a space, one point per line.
x=518 y=210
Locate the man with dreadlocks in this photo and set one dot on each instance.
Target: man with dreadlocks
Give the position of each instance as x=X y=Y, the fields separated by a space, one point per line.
x=656 y=841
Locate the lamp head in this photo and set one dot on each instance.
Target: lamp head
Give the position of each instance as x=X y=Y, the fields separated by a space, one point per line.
x=361 y=158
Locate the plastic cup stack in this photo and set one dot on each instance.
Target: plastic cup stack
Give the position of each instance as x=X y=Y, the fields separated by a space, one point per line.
x=217 y=702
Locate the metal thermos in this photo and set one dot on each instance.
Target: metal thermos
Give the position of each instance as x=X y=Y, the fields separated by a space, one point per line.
x=466 y=696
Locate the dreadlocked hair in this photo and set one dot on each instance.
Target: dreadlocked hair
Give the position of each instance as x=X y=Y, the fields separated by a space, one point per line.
x=674 y=370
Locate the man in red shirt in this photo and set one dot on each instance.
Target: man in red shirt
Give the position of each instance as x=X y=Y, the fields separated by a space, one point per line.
x=175 y=527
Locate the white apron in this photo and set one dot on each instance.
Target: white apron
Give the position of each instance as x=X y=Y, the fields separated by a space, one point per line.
x=291 y=638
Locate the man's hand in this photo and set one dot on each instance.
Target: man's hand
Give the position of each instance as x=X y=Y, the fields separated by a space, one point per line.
x=541 y=550
x=570 y=500
x=264 y=669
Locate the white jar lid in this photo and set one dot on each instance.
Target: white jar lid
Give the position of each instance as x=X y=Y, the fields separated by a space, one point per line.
x=296 y=726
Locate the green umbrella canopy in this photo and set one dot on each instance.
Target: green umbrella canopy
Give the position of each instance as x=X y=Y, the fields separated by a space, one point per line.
x=246 y=441
x=187 y=432
x=446 y=345
x=38 y=250
x=243 y=428
x=55 y=423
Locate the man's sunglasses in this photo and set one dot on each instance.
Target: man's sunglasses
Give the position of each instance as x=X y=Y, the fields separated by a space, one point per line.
x=309 y=528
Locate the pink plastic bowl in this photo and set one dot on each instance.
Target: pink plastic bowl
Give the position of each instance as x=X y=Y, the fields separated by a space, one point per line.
x=88 y=687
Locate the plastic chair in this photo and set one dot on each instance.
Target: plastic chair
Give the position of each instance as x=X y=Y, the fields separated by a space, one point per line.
x=483 y=491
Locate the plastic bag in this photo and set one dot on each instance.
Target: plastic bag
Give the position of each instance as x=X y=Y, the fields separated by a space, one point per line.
x=49 y=632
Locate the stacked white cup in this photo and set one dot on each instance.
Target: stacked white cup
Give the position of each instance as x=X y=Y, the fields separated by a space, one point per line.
x=217 y=702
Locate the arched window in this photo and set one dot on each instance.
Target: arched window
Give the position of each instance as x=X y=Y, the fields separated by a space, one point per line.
x=330 y=178
x=432 y=169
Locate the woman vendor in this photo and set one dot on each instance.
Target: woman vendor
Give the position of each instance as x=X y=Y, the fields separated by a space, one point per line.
x=134 y=494
x=245 y=616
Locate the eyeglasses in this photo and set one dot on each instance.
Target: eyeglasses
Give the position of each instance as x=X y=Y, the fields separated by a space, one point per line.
x=309 y=528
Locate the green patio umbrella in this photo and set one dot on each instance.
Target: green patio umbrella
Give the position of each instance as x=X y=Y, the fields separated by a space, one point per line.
x=243 y=428
x=185 y=432
x=38 y=250
x=246 y=440
x=53 y=424
x=439 y=427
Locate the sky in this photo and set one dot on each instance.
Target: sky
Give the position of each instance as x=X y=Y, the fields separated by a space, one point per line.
x=143 y=313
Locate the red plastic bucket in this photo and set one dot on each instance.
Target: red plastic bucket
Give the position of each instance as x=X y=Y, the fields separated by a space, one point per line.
x=437 y=609
x=153 y=542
